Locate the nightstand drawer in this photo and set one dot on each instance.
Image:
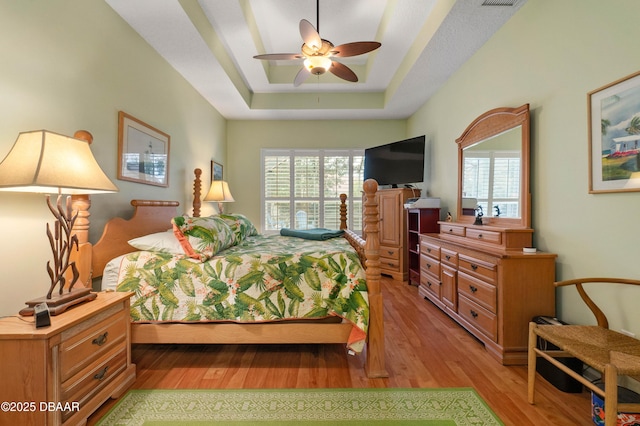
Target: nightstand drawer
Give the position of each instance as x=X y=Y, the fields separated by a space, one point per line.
x=88 y=382
x=92 y=339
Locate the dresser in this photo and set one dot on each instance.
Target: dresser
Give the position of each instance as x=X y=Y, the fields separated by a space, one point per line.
x=393 y=231
x=60 y=374
x=480 y=277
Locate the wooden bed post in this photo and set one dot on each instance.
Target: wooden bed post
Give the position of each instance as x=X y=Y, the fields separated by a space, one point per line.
x=82 y=204
x=197 y=185
x=82 y=257
x=343 y=211
x=375 y=358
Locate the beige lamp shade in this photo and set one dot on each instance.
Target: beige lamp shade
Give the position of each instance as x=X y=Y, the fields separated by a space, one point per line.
x=219 y=192
x=47 y=162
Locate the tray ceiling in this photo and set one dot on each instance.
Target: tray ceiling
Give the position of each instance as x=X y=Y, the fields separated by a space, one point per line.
x=211 y=43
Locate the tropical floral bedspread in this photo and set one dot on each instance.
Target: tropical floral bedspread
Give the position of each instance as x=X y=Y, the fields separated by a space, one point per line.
x=264 y=278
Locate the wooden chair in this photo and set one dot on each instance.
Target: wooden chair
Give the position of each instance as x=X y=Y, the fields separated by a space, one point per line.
x=611 y=353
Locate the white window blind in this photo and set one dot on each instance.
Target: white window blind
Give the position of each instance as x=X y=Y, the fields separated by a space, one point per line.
x=301 y=188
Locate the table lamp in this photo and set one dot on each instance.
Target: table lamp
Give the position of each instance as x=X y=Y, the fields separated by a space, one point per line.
x=219 y=192
x=46 y=162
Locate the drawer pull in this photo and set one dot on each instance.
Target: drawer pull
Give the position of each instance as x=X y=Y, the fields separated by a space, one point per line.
x=479 y=236
x=101 y=374
x=429 y=283
x=450 y=229
x=473 y=289
x=473 y=313
x=389 y=251
x=474 y=267
x=428 y=266
x=447 y=257
x=428 y=250
x=101 y=339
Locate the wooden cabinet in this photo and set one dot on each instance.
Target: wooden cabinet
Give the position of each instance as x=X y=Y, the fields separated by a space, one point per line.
x=393 y=231
x=419 y=221
x=60 y=374
x=488 y=286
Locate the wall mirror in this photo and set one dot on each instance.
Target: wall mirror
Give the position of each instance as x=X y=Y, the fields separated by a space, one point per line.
x=493 y=168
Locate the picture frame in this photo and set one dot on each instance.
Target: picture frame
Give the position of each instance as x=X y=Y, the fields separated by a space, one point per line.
x=614 y=136
x=216 y=171
x=143 y=152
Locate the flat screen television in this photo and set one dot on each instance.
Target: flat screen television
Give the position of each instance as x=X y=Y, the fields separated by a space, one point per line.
x=396 y=163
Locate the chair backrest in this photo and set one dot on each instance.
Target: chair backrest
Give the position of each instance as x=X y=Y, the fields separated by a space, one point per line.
x=597 y=312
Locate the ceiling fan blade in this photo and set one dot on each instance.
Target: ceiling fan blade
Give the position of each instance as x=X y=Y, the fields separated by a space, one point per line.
x=279 y=56
x=354 y=49
x=302 y=75
x=309 y=34
x=343 y=71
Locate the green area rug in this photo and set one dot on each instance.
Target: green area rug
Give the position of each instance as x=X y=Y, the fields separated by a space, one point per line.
x=449 y=406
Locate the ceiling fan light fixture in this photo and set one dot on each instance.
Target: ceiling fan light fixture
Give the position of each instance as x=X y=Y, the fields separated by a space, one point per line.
x=317 y=65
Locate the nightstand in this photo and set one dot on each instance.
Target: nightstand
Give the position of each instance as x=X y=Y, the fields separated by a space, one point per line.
x=59 y=375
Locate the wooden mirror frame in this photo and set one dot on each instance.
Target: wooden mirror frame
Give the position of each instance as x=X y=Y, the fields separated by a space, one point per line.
x=490 y=124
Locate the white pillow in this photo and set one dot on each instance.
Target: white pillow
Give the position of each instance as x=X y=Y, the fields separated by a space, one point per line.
x=111 y=273
x=165 y=242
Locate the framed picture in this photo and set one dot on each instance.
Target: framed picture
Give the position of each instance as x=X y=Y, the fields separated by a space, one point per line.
x=614 y=136
x=216 y=171
x=143 y=152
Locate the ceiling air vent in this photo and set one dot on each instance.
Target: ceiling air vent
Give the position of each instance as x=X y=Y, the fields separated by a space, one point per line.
x=499 y=2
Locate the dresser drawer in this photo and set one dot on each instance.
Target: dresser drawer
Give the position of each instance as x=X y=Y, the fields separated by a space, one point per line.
x=88 y=341
x=430 y=265
x=478 y=291
x=486 y=236
x=390 y=252
x=452 y=229
x=449 y=257
x=485 y=321
x=429 y=249
x=480 y=269
x=91 y=380
x=430 y=283
x=389 y=264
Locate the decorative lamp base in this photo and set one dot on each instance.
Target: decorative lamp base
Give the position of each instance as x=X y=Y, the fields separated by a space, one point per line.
x=60 y=302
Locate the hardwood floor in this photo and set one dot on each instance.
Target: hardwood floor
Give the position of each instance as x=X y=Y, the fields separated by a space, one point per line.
x=424 y=348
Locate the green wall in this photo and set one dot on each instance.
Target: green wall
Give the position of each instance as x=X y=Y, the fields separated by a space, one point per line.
x=247 y=138
x=550 y=55
x=73 y=64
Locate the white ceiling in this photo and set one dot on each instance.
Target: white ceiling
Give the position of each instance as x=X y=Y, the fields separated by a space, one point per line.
x=211 y=43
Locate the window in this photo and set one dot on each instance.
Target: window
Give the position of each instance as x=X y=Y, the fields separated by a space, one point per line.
x=493 y=178
x=301 y=188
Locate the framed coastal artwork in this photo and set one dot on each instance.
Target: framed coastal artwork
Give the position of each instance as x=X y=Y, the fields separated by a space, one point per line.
x=143 y=152
x=614 y=136
x=216 y=171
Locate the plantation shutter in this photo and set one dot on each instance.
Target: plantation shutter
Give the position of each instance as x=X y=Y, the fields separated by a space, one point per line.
x=301 y=188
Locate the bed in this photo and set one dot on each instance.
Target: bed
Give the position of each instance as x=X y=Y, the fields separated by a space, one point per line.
x=152 y=217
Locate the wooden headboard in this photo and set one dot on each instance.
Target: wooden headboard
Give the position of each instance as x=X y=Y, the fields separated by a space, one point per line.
x=149 y=216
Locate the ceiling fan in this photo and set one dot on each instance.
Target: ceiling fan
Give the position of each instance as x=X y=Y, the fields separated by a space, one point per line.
x=318 y=53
